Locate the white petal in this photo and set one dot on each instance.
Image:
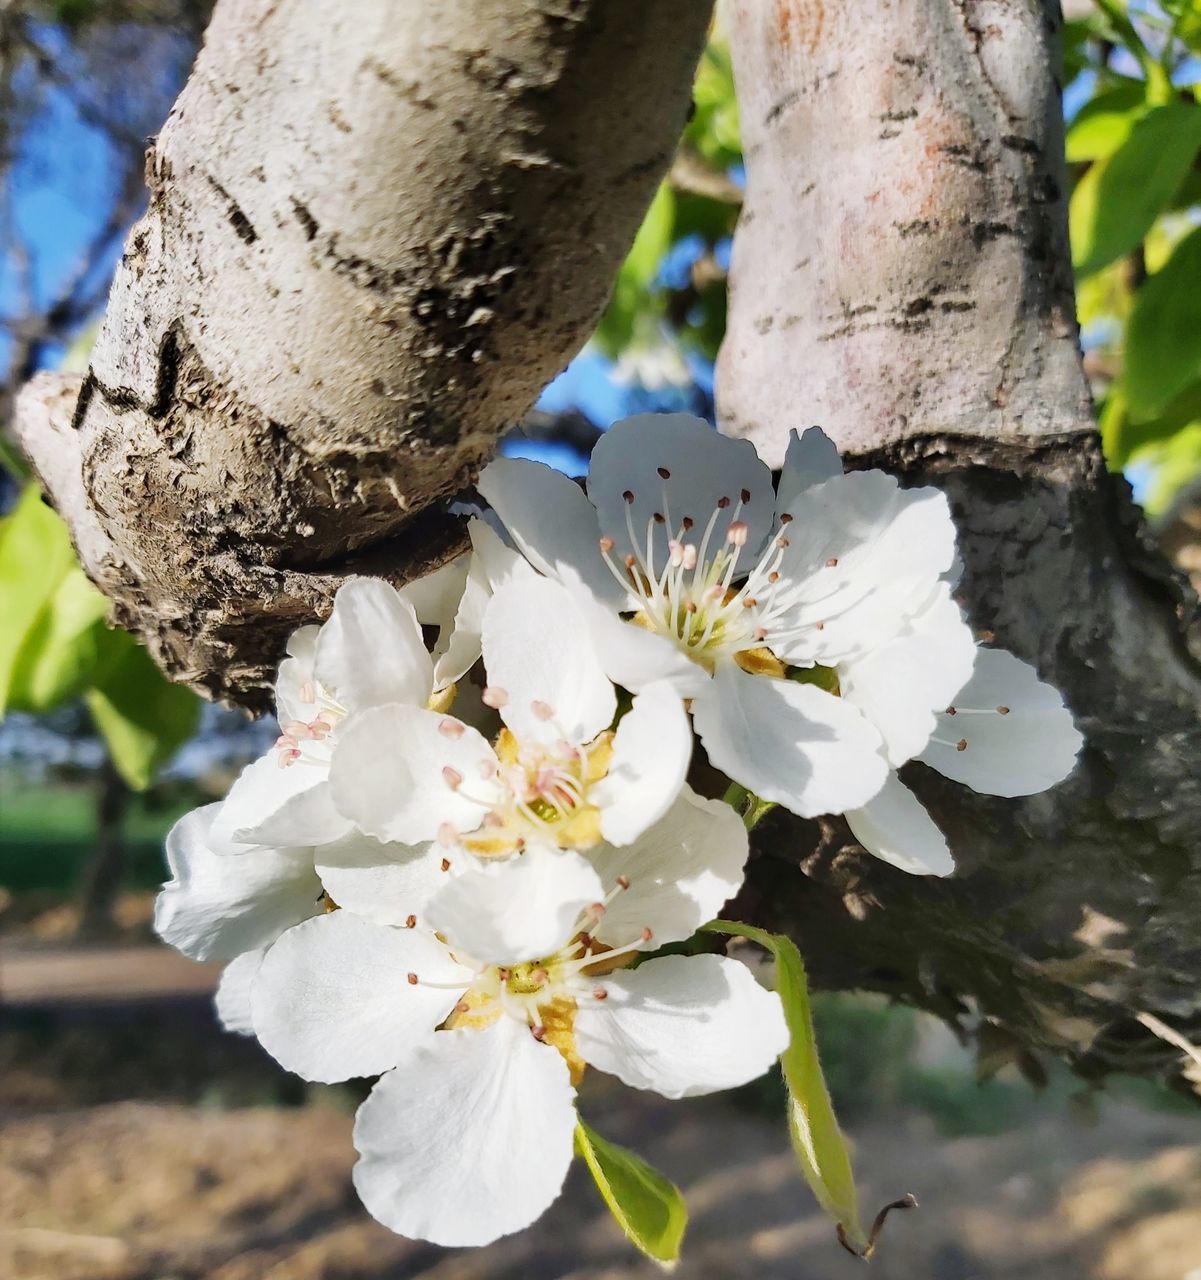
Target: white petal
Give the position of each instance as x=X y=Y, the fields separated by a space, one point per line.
x=387 y=883
x=388 y=773
x=634 y=657
x=470 y=1140
x=232 y=1000
x=1028 y=748
x=295 y=672
x=811 y=458
x=680 y=872
x=333 y=998
x=436 y=599
x=789 y=742
x=862 y=556
x=682 y=1026
x=539 y=650
x=895 y=826
x=218 y=903
x=901 y=684
x=491 y=564
x=550 y=520
x=521 y=908
x=703 y=468
x=268 y=804
x=651 y=750
x=371 y=650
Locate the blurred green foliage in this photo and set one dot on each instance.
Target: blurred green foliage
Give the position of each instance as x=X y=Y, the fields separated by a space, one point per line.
x=55 y=646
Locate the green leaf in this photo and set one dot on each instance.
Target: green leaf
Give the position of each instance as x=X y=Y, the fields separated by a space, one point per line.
x=632 y=292
x=1118 y=200
x=648 y=1208
x=52 y=614
x=816 y=1137
x=142 y=717
x=1163 y=336
x=1105 y=122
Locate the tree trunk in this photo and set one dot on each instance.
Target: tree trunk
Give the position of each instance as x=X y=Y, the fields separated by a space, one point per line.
x=901 y=276
x=376 y=230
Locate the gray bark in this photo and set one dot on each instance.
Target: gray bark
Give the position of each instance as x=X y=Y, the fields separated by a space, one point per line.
x=900 y=276
x=375 y=231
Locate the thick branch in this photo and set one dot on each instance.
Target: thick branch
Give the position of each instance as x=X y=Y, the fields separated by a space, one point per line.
x=375 y=232
x=901 y=276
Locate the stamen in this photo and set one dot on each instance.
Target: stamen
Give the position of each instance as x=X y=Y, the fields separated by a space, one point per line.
x=543 y=710
x=961 y=745
x=722 y=503
x=448 y=836
x=760 y=634
x=306 y=692
x=664 y=474
x=539 y=1033
x=785 y=518
x=658 y=517
x=413 y=979
x=687 y=523
x=599 y=993
x=628 y=495
x=410 y=922
x=746 y=495
x=623 y=882
x=750 y=602
x=451 y=728
x=494 y=697
x=445 y=866
x=606 y=545
x=647 y=934
x=1002 y=711
x=452 y=777
x=737 y=533
x=832 y=563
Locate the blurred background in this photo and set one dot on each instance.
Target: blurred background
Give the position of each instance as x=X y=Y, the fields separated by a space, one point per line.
x=138 y=1143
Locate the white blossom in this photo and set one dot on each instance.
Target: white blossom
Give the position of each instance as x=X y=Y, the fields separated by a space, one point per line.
x=557 y=774
x=484 y=1027
x=369 y=651
x=754 y=604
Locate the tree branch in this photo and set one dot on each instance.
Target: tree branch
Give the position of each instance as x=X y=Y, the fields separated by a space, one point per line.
x=375 y=232
x=901 y=273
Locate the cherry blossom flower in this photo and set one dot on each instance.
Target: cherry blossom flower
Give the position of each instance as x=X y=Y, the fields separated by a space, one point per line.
x=484 y=1028
x=1004 y=733
x=557 y=773
x=753 y=604
x=369 y=651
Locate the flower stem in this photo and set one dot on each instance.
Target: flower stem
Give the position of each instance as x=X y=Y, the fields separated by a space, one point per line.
x=749 y=806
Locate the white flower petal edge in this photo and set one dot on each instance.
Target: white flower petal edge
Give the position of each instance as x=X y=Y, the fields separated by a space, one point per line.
x=810 y=459
x=387 y=883
x=539 y=655
x=900 y=685
x=789 y=742
x=216 y=905
x=370 y=649
x=550 y=520
x=436 y=599
x=469 y=1141
x=331 y=1000
x=651 y=472
x=680 y=872
x=895 y=827
x=296 y=673
x=232 y=999
x=683 y=1026
x=398 y=773
x=518 y=909
x=1008 y=733
x=270 y=804
x=651 y=751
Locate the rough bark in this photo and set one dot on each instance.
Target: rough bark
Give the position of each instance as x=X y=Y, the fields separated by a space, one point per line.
x=900 y=275
x=375 y=232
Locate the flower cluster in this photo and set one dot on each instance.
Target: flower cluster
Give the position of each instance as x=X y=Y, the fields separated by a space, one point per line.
x=461 y=862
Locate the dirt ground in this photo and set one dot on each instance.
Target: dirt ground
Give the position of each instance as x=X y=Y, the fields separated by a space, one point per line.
x=136 y=1143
